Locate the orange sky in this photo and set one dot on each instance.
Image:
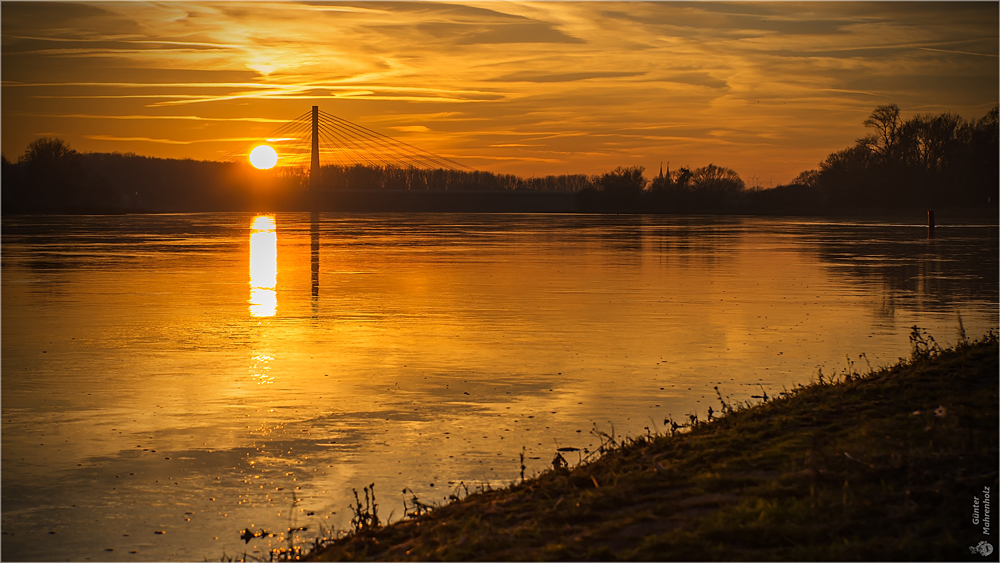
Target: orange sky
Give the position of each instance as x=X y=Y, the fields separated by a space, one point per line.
x=531 y=88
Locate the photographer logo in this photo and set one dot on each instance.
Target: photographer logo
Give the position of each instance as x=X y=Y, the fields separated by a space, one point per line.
x=984 y=548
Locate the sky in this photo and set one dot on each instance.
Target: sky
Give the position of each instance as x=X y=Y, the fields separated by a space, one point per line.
x=529 y=88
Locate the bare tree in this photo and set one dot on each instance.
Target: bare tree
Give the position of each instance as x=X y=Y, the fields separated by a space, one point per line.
x=717 y=179
x=928 y=141
x=46 y=151
x=623 y=180
x=886 y=123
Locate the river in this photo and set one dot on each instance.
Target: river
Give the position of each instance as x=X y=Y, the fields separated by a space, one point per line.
x=171 y=380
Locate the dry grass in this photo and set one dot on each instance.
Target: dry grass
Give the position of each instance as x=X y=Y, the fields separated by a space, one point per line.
x=881 y=466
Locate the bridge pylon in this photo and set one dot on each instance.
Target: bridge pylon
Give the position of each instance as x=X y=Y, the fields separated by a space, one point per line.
x=345 y=145
x=314 y=170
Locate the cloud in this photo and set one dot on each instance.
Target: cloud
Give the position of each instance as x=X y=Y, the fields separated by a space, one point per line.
x=956 y=52
x=172 y=141
x=519 y=33
x=411 y=128
x=563 y=77
x=696 y=79
x=531 y=86
x=159 y=117
x=508 y=158
x=136 y=139
x=167 y=85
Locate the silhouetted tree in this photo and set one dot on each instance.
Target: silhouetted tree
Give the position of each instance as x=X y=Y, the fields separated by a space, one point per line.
x=359 y=177
x=931 y=142
x=623 y=180
x=682 y=178
x=617 y=191
x=886 y=123
x=717 y=181
x=927 y=160
x=47 y=152
x=807 y=178
x=51 y=176
x=708 y=189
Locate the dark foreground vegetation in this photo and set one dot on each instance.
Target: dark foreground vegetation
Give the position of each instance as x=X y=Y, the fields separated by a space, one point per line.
x=925 y=162
x=883 y=465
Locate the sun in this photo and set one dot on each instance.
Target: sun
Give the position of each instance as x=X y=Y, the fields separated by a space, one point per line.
x=263 y=157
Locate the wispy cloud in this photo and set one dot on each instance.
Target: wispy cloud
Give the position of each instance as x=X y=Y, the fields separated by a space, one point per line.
x=529 y=87
x=157 y=85
x=171 y=141
x=562 y=77
x=159 y=117
x=135 y=139
x=957 y=52
x=412 y=128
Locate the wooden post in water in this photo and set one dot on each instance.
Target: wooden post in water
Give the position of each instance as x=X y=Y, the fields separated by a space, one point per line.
x=930 y=224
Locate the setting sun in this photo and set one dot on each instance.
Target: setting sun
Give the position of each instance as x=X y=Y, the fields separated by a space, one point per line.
x=263 y=157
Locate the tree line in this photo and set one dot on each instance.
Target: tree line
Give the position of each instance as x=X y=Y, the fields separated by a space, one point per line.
x=926 y=161
x=51 y=177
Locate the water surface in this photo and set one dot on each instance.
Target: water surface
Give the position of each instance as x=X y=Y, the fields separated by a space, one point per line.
x=200 y=374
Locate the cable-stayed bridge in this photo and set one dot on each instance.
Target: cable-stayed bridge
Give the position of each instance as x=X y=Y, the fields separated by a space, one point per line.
x=381 y=173
x=317 y=138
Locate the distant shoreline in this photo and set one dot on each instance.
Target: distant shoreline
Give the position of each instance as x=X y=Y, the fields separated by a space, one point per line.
x=505 y=201
x=926 y=162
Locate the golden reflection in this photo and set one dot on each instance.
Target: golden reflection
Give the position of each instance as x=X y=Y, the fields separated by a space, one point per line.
x=261 y=367
x=263 y=267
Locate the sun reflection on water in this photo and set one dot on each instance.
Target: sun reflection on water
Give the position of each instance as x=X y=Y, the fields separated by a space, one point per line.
x=260 y=368
x=263 y=267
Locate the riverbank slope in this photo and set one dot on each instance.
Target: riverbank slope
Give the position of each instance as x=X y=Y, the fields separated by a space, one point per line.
x=892 y=465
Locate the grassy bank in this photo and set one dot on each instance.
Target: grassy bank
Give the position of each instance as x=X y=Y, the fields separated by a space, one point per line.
x=881 y=466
